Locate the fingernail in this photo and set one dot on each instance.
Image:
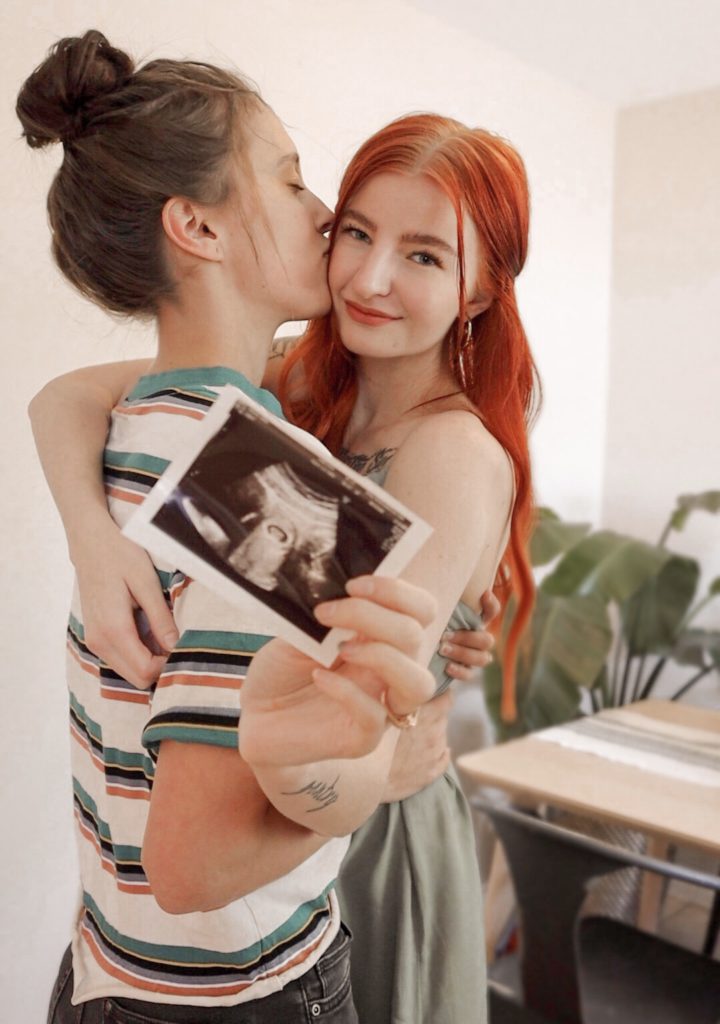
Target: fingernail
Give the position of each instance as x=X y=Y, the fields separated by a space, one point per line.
x=447 y=635
x=363 y=586
x=446 y=649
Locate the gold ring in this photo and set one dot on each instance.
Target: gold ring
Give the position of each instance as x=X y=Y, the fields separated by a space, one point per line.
x=408 y=721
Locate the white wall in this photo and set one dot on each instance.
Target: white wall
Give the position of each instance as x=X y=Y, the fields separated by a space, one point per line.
x=663 y=435
x=335 y=70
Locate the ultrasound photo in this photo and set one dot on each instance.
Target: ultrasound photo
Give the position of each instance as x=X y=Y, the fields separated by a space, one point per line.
x=261 y=506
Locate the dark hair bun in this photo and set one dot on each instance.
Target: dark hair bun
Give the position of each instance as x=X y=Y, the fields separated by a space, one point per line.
x=56 y=102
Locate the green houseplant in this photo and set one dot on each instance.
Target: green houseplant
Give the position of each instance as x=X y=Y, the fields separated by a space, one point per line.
x=612 y=613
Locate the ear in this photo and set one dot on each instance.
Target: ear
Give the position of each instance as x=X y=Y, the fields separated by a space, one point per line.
x=186 y=225
x=481 y=302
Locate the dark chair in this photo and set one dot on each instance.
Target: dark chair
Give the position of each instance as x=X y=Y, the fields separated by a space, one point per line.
x=593 y=970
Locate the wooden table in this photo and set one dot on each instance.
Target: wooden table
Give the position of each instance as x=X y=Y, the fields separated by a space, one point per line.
x=538 y=772
x=669 y=811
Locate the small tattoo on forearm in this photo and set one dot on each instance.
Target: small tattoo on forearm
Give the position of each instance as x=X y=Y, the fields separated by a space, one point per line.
x=323 y=793
x=280 y=347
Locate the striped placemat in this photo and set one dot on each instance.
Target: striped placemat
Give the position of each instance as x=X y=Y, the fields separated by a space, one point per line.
x=682 y=753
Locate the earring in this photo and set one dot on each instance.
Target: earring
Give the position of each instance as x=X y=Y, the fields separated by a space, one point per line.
x=462 y=353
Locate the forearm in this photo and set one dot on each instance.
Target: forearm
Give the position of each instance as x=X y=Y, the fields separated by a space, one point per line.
x=70 y=417
x=70 y=439
x=211 y=835
x=224 y=867
x=331 y=797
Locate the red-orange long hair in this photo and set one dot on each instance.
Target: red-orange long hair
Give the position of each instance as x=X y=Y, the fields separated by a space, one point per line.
x=484 y=179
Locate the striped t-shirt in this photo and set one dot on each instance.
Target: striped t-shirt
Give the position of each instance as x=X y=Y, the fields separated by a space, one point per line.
x=124 y=944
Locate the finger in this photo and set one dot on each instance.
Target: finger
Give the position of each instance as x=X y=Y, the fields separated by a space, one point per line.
x=159 y=624
x=373 y=621
x=126 y=654
x=468 y=640
x=400 y=595
x=407 y=684
x=368 y=715
x=490 y=607
x=461 y=672
x=472 y=657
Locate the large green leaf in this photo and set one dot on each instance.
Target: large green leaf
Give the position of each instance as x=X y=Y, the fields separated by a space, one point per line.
x=552 y=537
x=652 y=616
x=569 y=643
x=707 y=501
x=607 y=564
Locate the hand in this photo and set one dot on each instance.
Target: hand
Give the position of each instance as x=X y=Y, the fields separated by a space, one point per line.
x=127 y=623
x=422 y=753
x=295 y=712
x=470 y=648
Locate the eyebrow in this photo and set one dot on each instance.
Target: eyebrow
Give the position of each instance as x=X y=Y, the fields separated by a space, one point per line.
x=416 y=238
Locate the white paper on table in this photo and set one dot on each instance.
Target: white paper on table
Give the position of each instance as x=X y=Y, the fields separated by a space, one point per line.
x=627 y=737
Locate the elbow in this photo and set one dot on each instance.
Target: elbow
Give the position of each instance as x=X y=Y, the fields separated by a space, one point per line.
x=34 y=405
x=176 y=883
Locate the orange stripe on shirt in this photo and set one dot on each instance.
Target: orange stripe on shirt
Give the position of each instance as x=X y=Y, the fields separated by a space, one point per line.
x=174 y=410
x=165 y=988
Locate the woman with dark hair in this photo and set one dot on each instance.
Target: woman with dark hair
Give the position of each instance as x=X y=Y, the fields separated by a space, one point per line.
x=207 y=892
x=422 y=376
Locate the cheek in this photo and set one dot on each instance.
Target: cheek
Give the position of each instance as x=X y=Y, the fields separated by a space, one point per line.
x=341 y=269
x=436 y=308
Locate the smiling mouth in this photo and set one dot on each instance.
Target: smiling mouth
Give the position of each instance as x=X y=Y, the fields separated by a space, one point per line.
x=369 y=317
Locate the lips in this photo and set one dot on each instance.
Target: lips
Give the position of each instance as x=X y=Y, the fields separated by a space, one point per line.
x=367 y=316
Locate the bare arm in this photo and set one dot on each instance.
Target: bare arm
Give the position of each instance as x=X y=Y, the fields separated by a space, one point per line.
x=70 y=419
x=454 y=474
x=212 y=834
x=322 y=752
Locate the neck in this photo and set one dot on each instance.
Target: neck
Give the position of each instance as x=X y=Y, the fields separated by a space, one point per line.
x=203 y=328
x=390 y=390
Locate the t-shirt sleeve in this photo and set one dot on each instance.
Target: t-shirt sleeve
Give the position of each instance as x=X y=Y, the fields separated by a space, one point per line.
x=197 y=696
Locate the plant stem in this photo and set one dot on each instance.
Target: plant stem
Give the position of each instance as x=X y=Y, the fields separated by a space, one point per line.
x=691 y=682
x=667 y=530
x=693 y=612
x=638 y=678
x=613 y=682
x=652 y=679
x=625 y=678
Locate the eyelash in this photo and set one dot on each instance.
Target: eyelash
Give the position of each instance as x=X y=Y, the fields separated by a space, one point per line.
x=295 y=187
x=353 y=231
x=434 y=261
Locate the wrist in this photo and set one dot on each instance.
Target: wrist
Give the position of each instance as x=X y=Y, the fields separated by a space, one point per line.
x=95 y=527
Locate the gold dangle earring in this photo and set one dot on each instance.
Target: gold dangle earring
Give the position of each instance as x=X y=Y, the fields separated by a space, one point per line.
x=463 y=354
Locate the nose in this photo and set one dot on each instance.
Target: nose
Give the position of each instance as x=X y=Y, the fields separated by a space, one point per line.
x=324 y=216
x=373 y=273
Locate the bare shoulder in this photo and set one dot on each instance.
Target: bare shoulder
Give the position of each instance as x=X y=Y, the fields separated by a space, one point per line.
x=457 y=441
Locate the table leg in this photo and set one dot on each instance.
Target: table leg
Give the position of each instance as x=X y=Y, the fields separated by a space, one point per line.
x=651 y=889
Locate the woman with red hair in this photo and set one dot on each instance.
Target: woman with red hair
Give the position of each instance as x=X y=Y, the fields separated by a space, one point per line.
x=421 y=377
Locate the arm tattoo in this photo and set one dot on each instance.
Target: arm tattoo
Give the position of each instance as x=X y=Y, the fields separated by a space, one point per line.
x=323 y=793
x=280 y=347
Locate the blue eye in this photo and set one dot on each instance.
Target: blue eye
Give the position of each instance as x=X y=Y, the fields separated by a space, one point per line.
x=425 y=259
x=357 y=233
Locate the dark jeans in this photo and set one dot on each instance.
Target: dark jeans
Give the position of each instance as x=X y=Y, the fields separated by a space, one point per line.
x=322 y=994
